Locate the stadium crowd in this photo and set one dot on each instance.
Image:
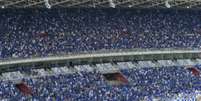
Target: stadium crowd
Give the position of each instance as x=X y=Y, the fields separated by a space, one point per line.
x=144 y=85
x=29 y=32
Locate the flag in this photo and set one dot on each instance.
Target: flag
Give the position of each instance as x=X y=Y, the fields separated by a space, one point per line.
x=121 y=78
x=41 y=34
x=23 y=88
x=115 y=78
x=194 y=71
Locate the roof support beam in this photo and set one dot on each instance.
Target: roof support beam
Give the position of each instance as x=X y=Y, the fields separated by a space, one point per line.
x=14 y=3
x=35 y=3
x=78 y=3
x=59 y=3
x=100 y=3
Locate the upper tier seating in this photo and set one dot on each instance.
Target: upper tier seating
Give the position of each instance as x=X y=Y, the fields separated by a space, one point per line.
x=29 y=32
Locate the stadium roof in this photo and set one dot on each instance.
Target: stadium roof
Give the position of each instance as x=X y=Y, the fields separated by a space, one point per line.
x=101 y=3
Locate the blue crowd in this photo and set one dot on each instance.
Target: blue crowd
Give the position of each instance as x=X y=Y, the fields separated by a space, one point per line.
x=32 y=32
x=28 y=33
x=144 y=85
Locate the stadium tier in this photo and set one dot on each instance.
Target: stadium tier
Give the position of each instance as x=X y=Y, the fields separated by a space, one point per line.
x=32 y=32
x=57 y=39
x=144 y=85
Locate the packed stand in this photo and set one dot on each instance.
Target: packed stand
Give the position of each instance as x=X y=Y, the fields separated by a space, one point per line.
x=144 y=84
x=32 y=32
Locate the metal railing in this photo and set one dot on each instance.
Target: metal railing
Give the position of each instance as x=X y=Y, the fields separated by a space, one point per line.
x=101 y=54
x=98 y=52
